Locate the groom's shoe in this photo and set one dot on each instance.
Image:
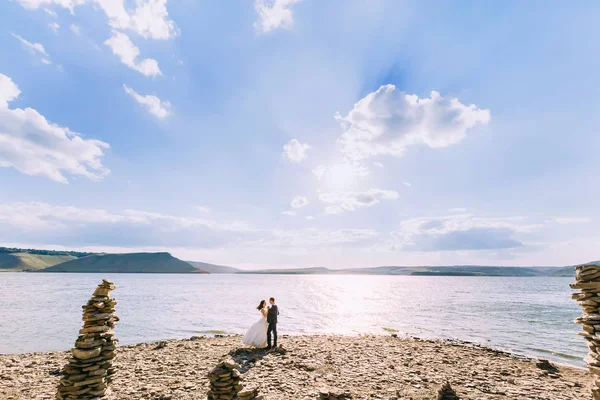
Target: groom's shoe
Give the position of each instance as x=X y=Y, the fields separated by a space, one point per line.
x=268 y=348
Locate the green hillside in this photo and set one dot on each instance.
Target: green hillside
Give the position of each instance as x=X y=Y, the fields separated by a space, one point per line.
x=15 y=262
x=158 y=263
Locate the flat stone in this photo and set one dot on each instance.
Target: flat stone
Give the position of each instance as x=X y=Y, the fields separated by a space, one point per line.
x=84 y=354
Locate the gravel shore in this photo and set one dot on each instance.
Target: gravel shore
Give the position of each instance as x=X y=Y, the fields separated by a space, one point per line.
x=368 y=367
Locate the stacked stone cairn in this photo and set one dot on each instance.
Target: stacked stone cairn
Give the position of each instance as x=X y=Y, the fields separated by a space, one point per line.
x=587 y=278
x=225 y=383
x=447 y=393
x=90 y=368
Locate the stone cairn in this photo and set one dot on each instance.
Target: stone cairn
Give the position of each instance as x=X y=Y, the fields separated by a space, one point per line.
x=90 y=368
x=225 y=383
x=587 y=278
x=447 y=393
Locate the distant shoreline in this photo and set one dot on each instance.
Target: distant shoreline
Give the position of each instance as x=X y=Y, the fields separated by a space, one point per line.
x=457 y=275
x=28 y=260
x=345 y=273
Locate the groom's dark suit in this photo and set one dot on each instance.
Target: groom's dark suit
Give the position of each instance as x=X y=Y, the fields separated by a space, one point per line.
x=272 y=321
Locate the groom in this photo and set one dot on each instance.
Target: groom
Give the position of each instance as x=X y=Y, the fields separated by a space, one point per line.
x=272 y=321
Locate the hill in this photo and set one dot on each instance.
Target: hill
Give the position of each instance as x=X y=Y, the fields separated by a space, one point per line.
x=214 y=269
x=15 y=262
x=14 y=259
x=564 y=272
x=157 y=263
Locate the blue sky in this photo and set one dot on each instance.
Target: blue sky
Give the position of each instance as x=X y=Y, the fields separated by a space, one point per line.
x=296 y=133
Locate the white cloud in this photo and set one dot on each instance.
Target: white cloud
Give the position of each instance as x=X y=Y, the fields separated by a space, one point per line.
x=273 y=14
x=33 y=47
x=36 y=222
x=202 y=209
x=407 y=183
x=387 y=121
x=122 y=46
x=295 y=151
x=458 y=210
x=34 y=146
x=54 y=26
x=8 y=91
x=75 y=29
x=50 y=12
x=378 y=164
x=299 y=202
x=573 y=220
x=309 y=217
x=289 y=213
x=461 y=232
x=340 y=202
x=46 y=61
x=153 y=104
x=150 y=18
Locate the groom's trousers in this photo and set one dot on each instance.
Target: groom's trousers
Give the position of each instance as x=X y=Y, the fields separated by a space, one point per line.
x=272 y=328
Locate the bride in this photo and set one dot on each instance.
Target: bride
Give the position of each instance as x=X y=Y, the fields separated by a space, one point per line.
x=257 y=334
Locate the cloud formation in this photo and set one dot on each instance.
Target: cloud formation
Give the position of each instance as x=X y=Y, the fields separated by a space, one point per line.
x=34 y=48
x=273 y=14
x=34 y=146
x=36 y=222
x=149 y=18
x=75 y=29
x=299 y=202
x=573 y=220
x=155 y=106
x=388 y=121
x=122 y=46
x=340 y=202
x=295 y=151
x=461 y=232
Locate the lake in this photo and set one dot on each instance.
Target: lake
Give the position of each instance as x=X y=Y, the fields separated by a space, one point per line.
x=532 y=316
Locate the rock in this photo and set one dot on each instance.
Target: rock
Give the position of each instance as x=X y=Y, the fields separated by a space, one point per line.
x=225 y=384
x=447 y=393
x=90 y=371
x=588 y=280
x=83 y=354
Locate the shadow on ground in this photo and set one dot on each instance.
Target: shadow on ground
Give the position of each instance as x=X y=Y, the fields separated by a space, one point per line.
x=246 y=358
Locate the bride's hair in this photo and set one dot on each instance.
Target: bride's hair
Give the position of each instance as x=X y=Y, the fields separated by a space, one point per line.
x=261 y=305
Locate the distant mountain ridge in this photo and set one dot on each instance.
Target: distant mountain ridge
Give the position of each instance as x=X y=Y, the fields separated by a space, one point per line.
x=15 y=260
x=455 y=270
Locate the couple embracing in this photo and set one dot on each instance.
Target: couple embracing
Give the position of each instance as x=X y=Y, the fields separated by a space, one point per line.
x=259 y=334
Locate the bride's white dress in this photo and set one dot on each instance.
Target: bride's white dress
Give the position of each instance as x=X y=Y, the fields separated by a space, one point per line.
x=257 y=334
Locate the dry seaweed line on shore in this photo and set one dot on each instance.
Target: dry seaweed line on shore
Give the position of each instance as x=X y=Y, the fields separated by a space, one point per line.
x=587 y=278
x=90 y=368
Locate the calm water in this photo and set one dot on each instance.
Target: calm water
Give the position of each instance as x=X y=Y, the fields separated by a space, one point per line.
x=534 y=316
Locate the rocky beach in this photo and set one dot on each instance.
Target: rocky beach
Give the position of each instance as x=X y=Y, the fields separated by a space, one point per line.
x=309 y=367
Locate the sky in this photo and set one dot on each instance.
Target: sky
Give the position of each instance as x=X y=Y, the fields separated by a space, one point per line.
x=302 y=133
